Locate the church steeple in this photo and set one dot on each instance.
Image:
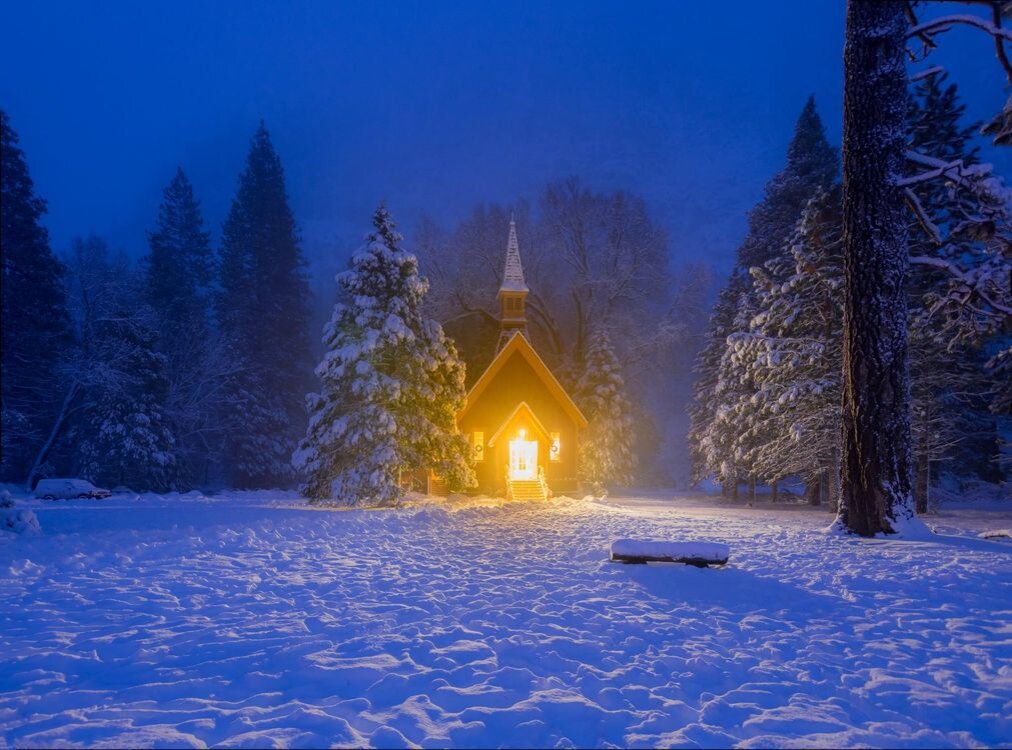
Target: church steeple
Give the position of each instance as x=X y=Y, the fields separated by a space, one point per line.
x=513 y=292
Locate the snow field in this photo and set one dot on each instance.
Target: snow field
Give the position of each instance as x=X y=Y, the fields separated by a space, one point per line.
x=253 y=621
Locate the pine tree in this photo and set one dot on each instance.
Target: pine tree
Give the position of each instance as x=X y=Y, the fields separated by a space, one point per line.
x=727 y=444
x=812 y=165
x=790 y=418
x=392 y=385
x=119 y=431
x=178 y=276
x=180 y=266
x=704 y=406
x=956 y=223
x=35 y=329
x=126 y=437
x=606 y=451
x=263 y=311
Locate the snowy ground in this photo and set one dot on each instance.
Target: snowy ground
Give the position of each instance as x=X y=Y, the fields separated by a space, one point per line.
x=251 y=620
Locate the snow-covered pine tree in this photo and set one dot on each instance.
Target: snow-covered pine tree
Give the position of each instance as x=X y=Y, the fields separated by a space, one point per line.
x=126 y=437
x=792 y=354
x=704 y=406
x=35 y=331
x=956 y=221
x=120 y=433
x=728 y=442
x=606 y=450
x=392 y=385
x=263 y=311
x=812 y=165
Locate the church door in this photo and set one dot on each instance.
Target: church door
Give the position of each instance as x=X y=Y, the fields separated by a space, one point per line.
x=523 y=459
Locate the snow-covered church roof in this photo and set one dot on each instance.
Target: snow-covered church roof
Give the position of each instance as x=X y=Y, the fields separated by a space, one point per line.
x=513 y=277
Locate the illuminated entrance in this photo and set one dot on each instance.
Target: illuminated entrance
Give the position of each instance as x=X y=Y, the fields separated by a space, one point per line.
x=523 y=458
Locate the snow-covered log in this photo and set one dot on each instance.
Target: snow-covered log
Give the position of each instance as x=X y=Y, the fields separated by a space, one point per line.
x=700 y=554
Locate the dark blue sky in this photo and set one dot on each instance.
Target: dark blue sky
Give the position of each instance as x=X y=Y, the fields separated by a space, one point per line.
x=431 y=106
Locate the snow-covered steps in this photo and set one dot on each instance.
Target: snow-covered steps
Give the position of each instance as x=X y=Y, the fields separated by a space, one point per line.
x=526 y=489
x=700 y=554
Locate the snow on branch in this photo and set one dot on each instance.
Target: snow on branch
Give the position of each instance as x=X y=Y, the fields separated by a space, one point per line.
x=929 y=227
x=978 y=281
x=926 y=30
x=944 y=23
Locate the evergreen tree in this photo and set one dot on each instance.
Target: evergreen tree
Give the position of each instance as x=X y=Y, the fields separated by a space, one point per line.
x=392 y=385
x=120 y=433
x=703 y=409
x=954 y=223
x=35 y=330
x=179 y=266
x=125 y=436
x=179 y=273
x=607 y=454
x=788 y=422
x=263 y=311
x=726 y=447
x=812 y=165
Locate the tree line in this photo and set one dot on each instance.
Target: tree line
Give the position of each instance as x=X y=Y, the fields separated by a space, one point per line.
x=190 y=367
x=185 y=369
x=772 y=393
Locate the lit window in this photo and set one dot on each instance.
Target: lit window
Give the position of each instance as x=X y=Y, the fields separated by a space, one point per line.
x=555 y=452
x=478 y=445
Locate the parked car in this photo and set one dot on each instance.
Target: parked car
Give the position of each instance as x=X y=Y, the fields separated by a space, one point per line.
x=53 y=489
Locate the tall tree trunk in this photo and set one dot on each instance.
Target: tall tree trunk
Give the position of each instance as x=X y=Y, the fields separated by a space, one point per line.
x=775 y=491
x=751 y=491
x=922 y=479
x=734 y=487
x=834 y=480
x=875 y=478
x=812 y=489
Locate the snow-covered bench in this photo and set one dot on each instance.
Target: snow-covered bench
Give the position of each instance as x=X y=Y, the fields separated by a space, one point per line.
x=700 y=554
x=996 y=534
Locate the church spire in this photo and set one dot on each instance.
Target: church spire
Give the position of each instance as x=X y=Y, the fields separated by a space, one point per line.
x=513 y=276
x=513 y=291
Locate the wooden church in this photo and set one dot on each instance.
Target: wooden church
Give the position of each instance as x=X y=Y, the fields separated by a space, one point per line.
x=522 y=426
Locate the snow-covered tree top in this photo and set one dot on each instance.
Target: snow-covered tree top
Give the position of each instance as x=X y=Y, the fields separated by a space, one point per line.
x=513 y=276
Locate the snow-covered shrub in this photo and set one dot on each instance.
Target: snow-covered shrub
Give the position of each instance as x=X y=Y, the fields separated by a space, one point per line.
x=18 y=521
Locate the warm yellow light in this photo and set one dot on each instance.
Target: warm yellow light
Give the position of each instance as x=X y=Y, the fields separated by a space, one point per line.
x=523 y=434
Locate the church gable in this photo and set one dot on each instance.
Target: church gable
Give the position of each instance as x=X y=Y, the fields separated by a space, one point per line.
x=518 y=374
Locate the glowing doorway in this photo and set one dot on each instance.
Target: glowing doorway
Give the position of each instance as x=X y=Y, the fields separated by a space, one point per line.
x=523 y=459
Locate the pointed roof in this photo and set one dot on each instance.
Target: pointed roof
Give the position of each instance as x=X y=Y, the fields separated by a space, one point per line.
x=532 y=419
x=513 y=276
x=519 y=343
